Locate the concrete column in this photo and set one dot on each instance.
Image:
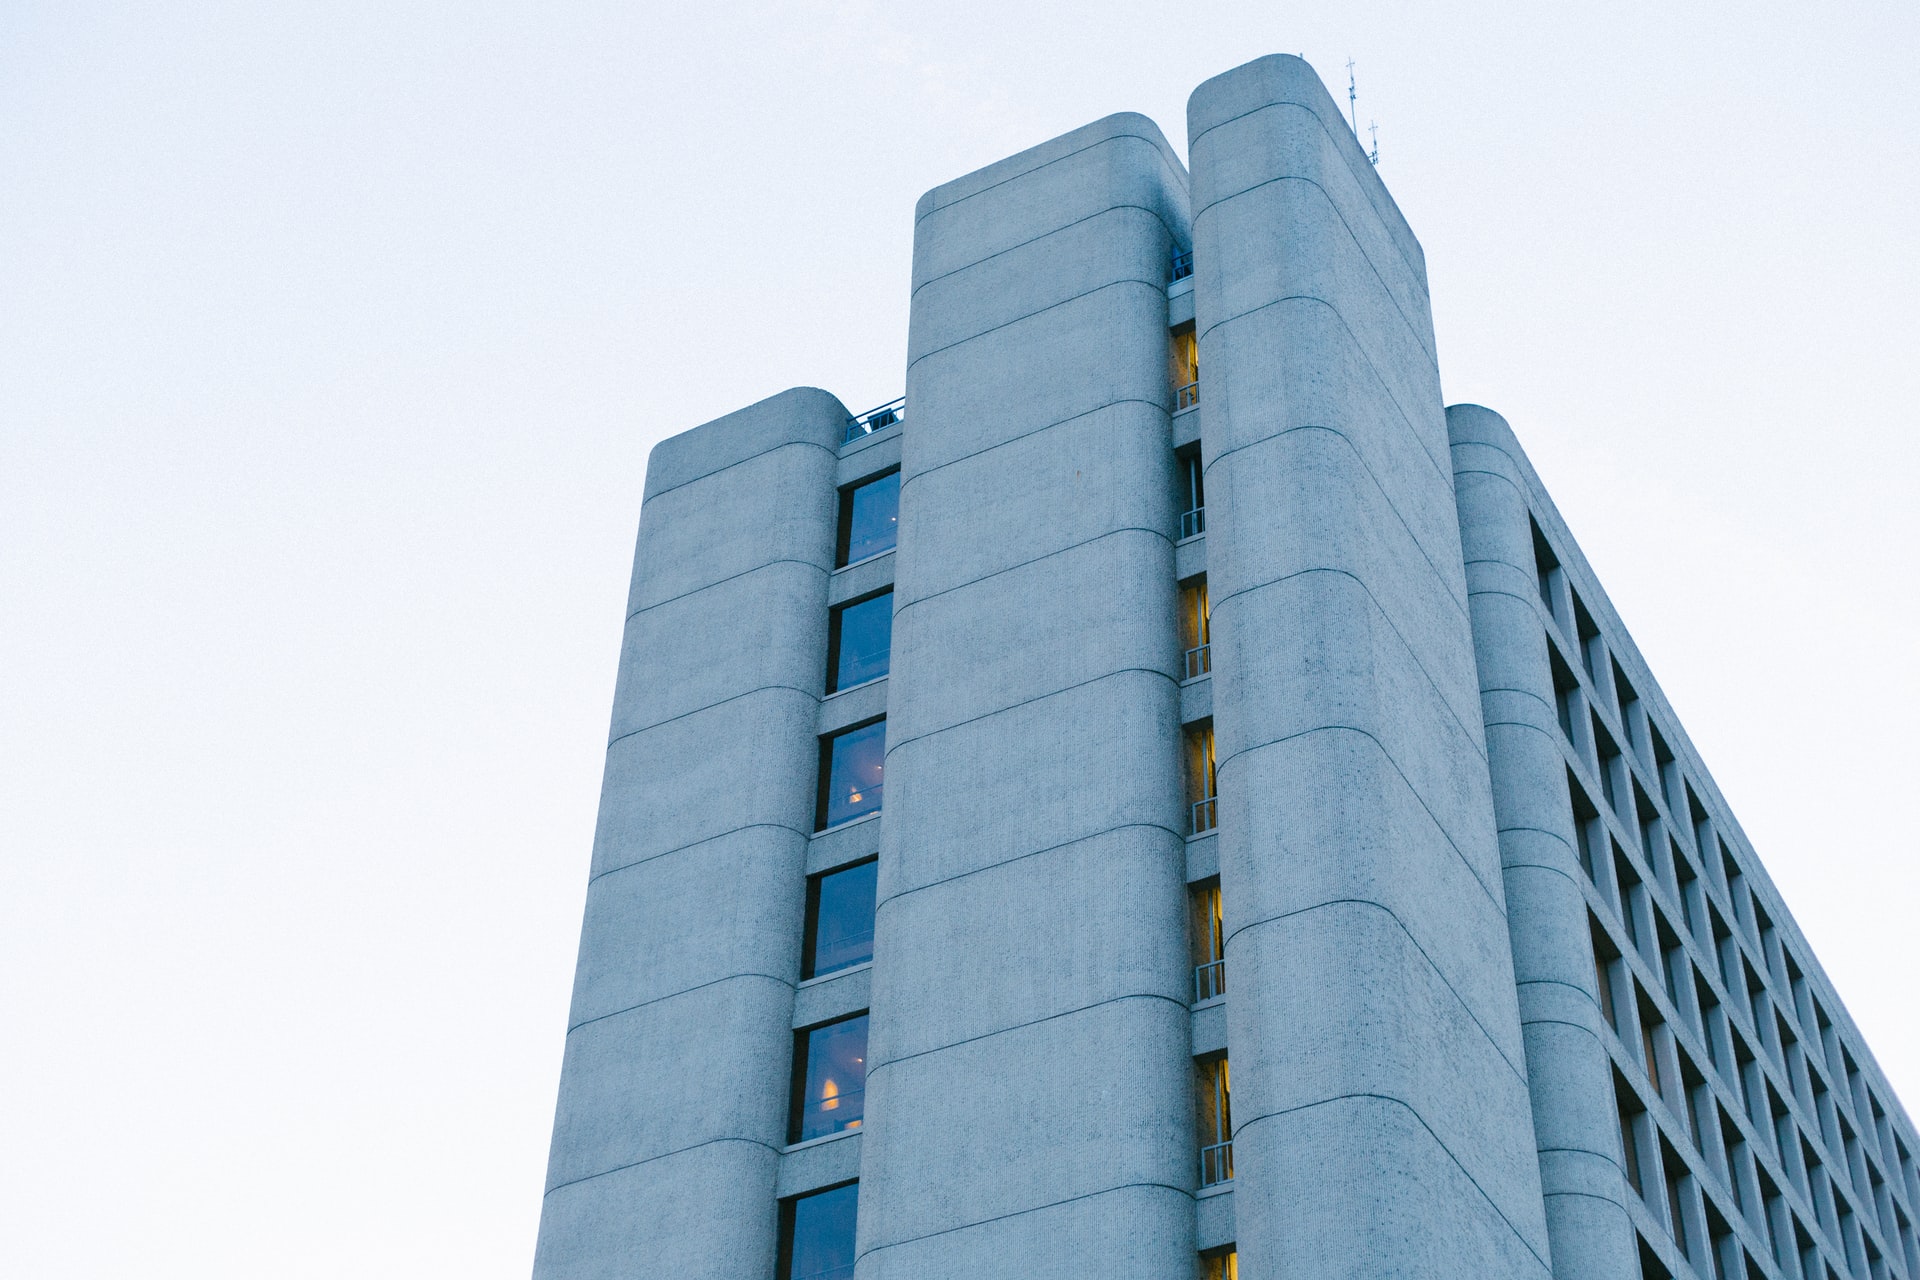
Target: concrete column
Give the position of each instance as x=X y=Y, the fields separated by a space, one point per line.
x=1382 y=1124
x=1573 y=1117
x=1028 y=1095
x=673 y=1093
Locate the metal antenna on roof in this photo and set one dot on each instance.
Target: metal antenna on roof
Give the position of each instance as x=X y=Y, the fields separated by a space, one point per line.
x=1373 y=131
x=1353 y=99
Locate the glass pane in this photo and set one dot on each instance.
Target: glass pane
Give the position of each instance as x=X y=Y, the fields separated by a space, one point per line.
x=821 y=1247
x=853 y=773
x=870 y=518
x=862 y=641
x=842 y=922
x=833 y=1086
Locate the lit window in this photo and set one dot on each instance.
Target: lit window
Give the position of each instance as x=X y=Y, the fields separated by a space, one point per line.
x=869 y=518
x=859 y=641
x=1196 y=629
x=850 y=773
x=1212 y=1096
x=1202 y=808
x=829 y=1079
x=839 y=919
x=1223 y=1264
x=1209 y=942
x=816 y=1234
x=1183 y=367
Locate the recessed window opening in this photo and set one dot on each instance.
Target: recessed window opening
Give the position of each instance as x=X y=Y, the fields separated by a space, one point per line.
x=1651 y=1268
x=1221 y=1264
x=1191 y=497
x=1566 y=695
x=1195 y=628
x=829 y=1079
x=852 y=764
x=1605 y=959
x=817 y=1233
x=1214 y=1108
x=1208 y=932
x=839 y=927
x=1606 y=757
x=869 y=518
x=1587 y=835
x=1545 y=564
x=1202 y=795
x=1588 y=638
x=859 y=641
x=1631 y=1111
x=1675 y=1172
x=1183 y=366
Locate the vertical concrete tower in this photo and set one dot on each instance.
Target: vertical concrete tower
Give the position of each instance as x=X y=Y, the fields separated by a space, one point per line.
x=1381 y=1113
x=1574 y=1123
x=673 y=1091
x=1029 y=1073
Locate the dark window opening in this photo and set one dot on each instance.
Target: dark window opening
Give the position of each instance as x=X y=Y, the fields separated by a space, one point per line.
x=869 y=518
x=1213 y=1098
x=851 y=774
x=1196 y=629
x=816 y=1234
x=1202 y=796
x=839 y=930
x=1191 y=496
x=859 y=641
x=1209 y=936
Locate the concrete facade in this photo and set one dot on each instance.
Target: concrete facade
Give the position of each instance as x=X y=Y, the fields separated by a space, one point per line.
x=1506 y=991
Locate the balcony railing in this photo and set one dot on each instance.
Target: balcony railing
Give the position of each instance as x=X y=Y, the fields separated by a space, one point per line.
x=1204 y=815
x=1216 y=1163
x=1209 y=980
x=1199 y=660
x=1186 y=397
x=1193 y=523
x=1182 y=265
x=865 y=424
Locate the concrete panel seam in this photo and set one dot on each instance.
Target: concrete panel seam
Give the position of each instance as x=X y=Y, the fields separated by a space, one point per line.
x=1413 y=654
x=664 y=1155
x=765 y=688
x=1502 y=477
x=1238 y=1129
x=1393 y=299
x=1028 y=435
x=1158 y=289
x=1361 y=458
x=1182 y=1192
x=1532 y=602
x=1065 y=226
x=1419 y=268
x=682 y=848
x=874 y=1068
x=1221 y=765
x=1366 y=357
x=1519 y=1070
x=1544 y=866
x=675 y=995
x=1027 y=702
x=732 y=577
x=1022 y=857
x=785 y=444
x=1048 y=164
x=1025 y=564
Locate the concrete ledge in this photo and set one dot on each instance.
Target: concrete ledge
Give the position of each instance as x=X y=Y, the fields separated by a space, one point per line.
x=821 y=1163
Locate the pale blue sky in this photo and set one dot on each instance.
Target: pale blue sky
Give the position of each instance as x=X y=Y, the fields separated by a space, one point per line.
x=333 y=338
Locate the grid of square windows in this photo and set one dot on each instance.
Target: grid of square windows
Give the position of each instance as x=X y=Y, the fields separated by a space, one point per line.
x=1747 y=1128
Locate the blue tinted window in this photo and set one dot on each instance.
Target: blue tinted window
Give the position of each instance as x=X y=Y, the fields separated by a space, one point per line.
x=829 y=1079
x=850 y=773
x=840 y=920
x=860 y=642
x=817 y=1235
x=869 y=518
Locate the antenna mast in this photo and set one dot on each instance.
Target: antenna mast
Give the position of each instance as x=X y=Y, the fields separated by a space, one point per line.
x=1373 y=131
x=1353 y=99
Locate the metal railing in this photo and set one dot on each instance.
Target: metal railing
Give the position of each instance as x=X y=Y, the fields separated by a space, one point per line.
x=1186 y=397
x=1204 y=814
x=1199 y=661
x=1216 y=1163
x=1193 y=523
x=1182 y=265
x=1209 y=980
x=865 y=424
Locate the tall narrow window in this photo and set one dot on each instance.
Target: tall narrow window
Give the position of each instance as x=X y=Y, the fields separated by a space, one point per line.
x=1605 y=957
x=1192 y=495
x=829 y=1079
x=1195 y=628
x=1213 y=1098
x=1202 y=805
x=839 y=930
x=869 y=518
x=851 y=765
x=1545 y=563
x=1209 y=942
x=816 y=1234
x=1221 y=1264
x=1183 y=367
x=859 y=641
x=1630 y=1113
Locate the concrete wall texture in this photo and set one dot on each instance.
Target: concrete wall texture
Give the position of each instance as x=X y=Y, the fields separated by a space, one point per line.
x=1508 y=993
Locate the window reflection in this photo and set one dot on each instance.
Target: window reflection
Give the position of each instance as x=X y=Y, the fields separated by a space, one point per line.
x=851 y=765
x=839 y=919
x=869 y=518
x=859 y=642
x=829 y=1079
x=816 y=1235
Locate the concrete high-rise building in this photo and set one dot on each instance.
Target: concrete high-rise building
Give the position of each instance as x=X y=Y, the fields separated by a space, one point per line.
x=962 y=907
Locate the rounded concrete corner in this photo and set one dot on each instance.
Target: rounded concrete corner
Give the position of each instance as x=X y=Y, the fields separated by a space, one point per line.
x=1276 y=77
x=798 y=415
